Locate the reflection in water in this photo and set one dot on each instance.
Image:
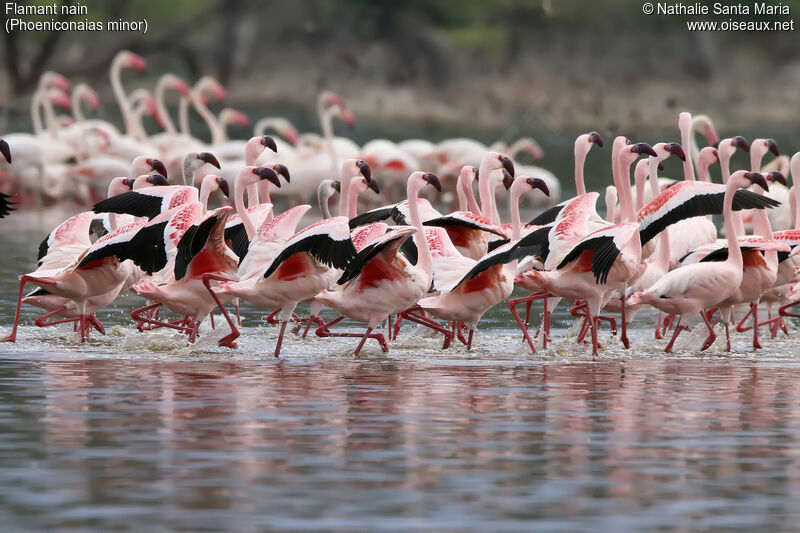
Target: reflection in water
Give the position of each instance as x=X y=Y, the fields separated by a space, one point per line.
x=395 y=445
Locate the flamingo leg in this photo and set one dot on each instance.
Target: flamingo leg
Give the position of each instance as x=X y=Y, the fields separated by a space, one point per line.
x=678 y=328
x=756 y=325
x=280 y=339
x=783 y=310
x=271 y=317
x=523 y=326
x=136 y=315
x=236 y=308
x=528 y=306
x=712 y=335
x=624 y=335
x=12 y=337
x=469 y=339
x=429 y=323
x=229 y=339
x=658 y=336
x=324 y=331
x=595 y=321
x=389 y=327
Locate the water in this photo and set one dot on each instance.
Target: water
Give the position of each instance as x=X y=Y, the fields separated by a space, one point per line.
x=137 y=431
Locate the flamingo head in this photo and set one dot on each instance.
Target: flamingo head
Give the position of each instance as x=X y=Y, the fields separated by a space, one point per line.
x=772 y=146
x=709 y=155
x=157 y=166
x=642 y=148
x=741 y=143
x=508 y=165
x=134 y=61
x=364 y=170
x=157 y=180
x=337 y=186
x=91 y=97
x=208 y=157
x=239 y=118
x=594 y=138
x=266 y=173
x=538 y=183
x=5 y=149
x=756 y=178
x=289 y=133
x=216 y=88
x=281 y=170
x=222 y=183
x=776 y=176
x=178 y=84
x=59 y=98
x=269 y=142
x=432 y=179
x=674 y=149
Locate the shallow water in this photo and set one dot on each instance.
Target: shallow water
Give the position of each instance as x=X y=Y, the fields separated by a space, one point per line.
x=136 y=431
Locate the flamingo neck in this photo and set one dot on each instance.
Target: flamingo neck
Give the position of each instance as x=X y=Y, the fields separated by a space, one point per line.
x=639 y=175
x=50 y=117
x=484 y=189
x=424 y=260
x=702 y=170
x=731 y=232
x=352 y=207
x=205 y=192
x=725 y=170
x=263 y=191
x=208 y=116
x=183 y=116
x=36 y=112
x=344 y=196
x=161 y=88
x=322 y=201
x=326 y=124
x=516 y=224
x=580 y=160
x=622 y=181
x=238 y=201
x=688 y=139
x=77 y=112
x=466 y=196
x=119 y=94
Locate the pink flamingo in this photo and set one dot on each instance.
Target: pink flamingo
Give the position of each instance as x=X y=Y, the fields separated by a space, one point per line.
x=283 y=268
x=381 y=281
x=690 y=289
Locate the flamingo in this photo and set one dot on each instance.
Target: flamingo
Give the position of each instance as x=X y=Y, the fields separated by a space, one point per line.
x=283 y=268
x=688 y=290
x=382 y=281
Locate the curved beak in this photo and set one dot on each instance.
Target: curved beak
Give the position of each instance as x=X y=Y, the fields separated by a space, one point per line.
x=269 y=142
x=757 y=179
x=128 y=182
x=223 y=186
x=373 y=184
x=6 y=150
x=507 y=164
x=660 y=165
x=776 y=176
x=477 y=174
x=157 y=180
x=712 y=136
x=676 y=150
x=157 y=166
x=209 y=158
x=741 y=143
x=508 y=179
x=537 y=183
x=643 y=148
x=266 y=173
x=433 y=179
x=337 y=186
x=363 y=167
x=595 y=138
x=773 y=147
x=283 y=171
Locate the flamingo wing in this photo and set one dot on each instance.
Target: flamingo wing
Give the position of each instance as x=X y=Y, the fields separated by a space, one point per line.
x=388 y=243
x=207 y=234
x=57 y=249
x=375 y=215
x=148 y=202
x=327 y=241
x=606 y=244
x=500 y=256
x=467 y=220
x=690 y=199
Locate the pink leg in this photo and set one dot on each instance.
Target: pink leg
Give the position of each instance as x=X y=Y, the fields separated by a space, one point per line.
x=678 y=329
x=238 y=316
x=280 y=339
x=595 y=326
x=624 y=336
x=429 y=323
x=229 y=339
x=712 y=336
x=389 y=327
x=136 y=314
x=658 y=335
x=756 y=343
x=324 y=331
x=469 y=339
x=523 y=326
x=12 y=337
